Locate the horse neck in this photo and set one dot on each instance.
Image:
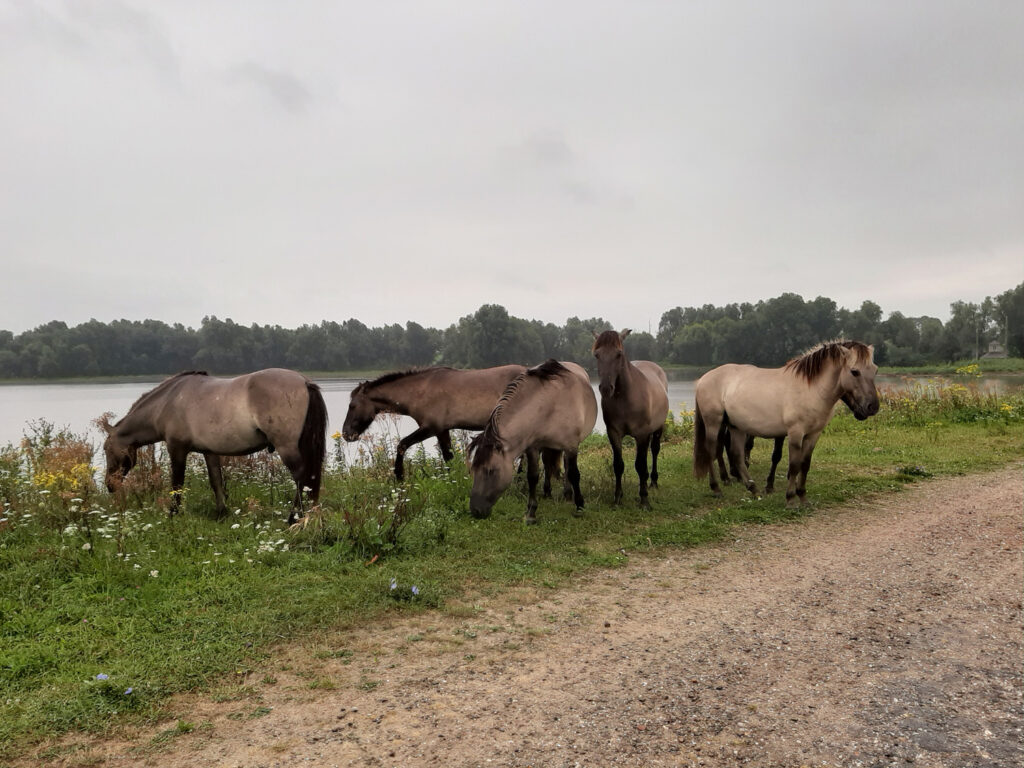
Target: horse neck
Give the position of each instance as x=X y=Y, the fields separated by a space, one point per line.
x=392 y=395
x=512 y=421
x=138 y=427
x=826 y=385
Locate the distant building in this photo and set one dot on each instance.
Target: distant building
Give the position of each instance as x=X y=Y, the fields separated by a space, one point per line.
x=995 y=350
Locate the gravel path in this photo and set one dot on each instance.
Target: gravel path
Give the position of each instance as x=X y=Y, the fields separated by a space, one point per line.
x=873 y=635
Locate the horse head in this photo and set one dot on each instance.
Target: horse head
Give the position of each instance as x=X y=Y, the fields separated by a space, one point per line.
x=492 y=469
x=121 y=457
x=611 y=357
x=857 y=379
x=361 y=413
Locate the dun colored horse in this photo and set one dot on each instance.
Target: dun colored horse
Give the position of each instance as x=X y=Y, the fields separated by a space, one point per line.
x=276 y=409
x=548 y=408
x=794 y=401
x=438 y=398
x=634 y=401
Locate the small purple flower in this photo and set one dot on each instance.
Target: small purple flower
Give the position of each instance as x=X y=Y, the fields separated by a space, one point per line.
x=127 y=691
x=415 y=589
x=102 y=676
x=394 y=583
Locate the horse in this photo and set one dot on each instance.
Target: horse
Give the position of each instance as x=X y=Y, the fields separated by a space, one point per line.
x=634 y=401
x=276 y=409
x=720 y=450
x=550 y=408
x=437 y=398
x=795 y=401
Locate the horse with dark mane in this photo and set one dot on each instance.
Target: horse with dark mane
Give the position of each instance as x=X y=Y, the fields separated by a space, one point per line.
x=549 y=408
x=794 y=401
x=634 y=401
x=438 y=398
x=276 y=409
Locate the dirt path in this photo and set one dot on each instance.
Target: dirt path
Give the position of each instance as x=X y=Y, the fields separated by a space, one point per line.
x=888 y=634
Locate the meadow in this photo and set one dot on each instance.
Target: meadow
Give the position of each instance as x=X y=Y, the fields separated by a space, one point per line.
x=108 y=605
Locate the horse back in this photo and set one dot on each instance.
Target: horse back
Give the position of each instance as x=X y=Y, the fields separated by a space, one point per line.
x=755 y=400
x=461 y=399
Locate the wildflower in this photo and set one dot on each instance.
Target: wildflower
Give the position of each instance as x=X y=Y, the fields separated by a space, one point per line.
x=236 y=525
x=336 y=435
x=394 y=583
x=87 y=545
x=102 y=676
x=415 y=589
x=128 y=690
x=154 y=573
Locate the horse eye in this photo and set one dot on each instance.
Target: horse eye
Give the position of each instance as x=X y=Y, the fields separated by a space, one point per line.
x=855 y=372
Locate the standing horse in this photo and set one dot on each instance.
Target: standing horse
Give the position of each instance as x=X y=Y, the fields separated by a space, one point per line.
x=276 y=409
x=549 y=408
x=438 y=398
x=794 y=401
x=634 y=401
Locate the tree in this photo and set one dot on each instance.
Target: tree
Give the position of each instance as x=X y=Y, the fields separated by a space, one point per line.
x=1009 y=316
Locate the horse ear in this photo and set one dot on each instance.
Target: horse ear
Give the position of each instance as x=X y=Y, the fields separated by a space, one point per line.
x=624 y=333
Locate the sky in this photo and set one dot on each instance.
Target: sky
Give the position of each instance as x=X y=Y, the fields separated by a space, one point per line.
x=288 y=163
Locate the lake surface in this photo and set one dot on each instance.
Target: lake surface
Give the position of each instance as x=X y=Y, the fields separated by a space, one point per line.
x=74 y=406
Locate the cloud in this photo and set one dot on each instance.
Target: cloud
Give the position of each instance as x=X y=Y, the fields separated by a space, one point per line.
x=282 y=88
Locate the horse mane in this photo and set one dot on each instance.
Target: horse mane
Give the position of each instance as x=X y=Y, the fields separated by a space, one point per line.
x=489 y=441
x=395 y=375
x=812 y=363
x=163 y=386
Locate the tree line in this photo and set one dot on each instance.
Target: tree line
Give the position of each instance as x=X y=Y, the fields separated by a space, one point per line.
x=766 y=333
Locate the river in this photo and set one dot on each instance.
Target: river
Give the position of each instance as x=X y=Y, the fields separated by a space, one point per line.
x=74 y=406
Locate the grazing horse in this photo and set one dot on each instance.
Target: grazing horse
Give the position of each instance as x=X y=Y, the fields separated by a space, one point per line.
x=634 y=401
x=548 y=408
x=794 y=401
x=438 y=398
x=276 y=409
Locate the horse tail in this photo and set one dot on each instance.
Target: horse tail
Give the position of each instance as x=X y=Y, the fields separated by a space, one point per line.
x=313 y=440
x=702 y=458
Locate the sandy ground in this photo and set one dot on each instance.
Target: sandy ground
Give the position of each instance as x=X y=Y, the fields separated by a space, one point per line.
x=873 y=635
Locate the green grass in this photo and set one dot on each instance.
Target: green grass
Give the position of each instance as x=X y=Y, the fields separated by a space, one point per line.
x=987 y=365
x=160 y=605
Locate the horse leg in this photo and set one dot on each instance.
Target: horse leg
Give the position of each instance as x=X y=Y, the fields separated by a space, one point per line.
x=618 y=465
x=532 y=476
x=805 y=465
x=292 y=460
x=722 y=470
x=747 y=448
x=178 y=455
x=655 y=450
x=796 y=457
x=550 y=458
x=444 y=442
x=404 y=444
x=213 y=469
x=642 y=444
x=736 y=448
x=572 y=473
x=769 y=484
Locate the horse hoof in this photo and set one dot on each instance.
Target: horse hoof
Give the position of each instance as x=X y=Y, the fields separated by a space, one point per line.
x=578 y=512
x=645 y=504
x=530 y=520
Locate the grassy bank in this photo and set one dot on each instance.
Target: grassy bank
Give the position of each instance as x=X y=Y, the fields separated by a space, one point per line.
x=107 y=606
x=961 y=368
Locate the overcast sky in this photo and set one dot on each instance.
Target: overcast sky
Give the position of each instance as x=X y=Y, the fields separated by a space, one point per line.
x=292 y=162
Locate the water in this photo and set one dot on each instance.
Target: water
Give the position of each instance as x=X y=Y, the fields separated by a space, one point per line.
x=74 y=406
